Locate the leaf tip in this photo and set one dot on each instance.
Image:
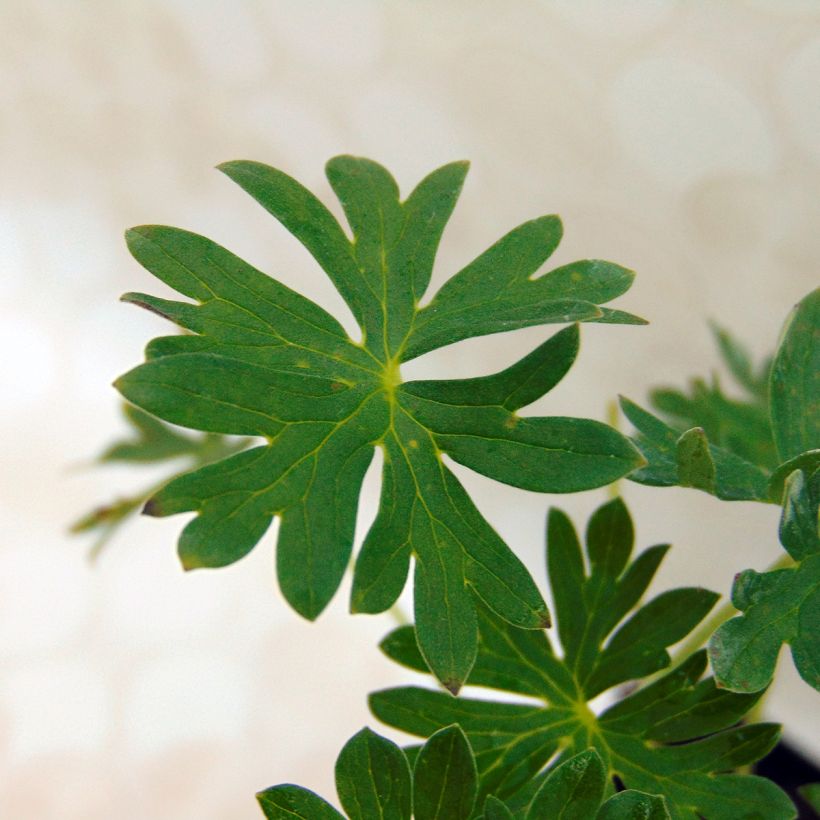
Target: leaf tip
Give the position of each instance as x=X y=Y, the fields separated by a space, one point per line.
x=136 y=234
x=152 y=507
x=141 y=301
x=233 y=168
x=452 y=686
x=119 y=385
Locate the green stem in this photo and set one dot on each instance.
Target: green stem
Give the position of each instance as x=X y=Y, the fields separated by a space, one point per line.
x=399 y=615
x=701 y=635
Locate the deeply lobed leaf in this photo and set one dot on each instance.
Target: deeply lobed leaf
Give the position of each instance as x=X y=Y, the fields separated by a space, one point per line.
x=676 y=736
x=263 y=361
x=783 y=606
x=740 y=450
x=374 y=780
x=780 y=606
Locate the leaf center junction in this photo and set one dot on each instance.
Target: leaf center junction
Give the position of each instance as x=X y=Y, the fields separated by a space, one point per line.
x=391 y=377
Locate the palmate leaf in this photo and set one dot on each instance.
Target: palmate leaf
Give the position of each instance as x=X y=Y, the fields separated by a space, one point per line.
x=781 y=606
x=676 y=736
x=374 y=779
x=262 y=360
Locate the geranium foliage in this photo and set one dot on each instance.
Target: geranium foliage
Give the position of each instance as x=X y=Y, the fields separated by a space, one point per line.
x=677 y=736
x=261 y=360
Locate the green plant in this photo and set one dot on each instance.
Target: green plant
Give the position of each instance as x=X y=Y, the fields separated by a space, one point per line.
x=291 y=409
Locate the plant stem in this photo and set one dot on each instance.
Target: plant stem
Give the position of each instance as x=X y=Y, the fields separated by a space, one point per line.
x=701 y=635
x=399 y=615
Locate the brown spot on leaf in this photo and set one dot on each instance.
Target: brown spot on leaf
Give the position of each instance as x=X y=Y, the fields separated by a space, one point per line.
x=152 y=507
x=452 y=686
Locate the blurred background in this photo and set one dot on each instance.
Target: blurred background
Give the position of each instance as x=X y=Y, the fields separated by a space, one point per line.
x=681 y=139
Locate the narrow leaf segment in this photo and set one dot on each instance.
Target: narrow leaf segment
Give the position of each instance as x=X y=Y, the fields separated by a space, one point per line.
x=677 y=737
x=374 y=779
x=260 y=360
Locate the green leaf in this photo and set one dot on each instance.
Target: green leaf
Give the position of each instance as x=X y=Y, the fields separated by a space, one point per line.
x=634 y=805
x=261 y=360
x=287 y=802
x=794 y=386
x=740 y=365
x=808 y=462
x=151 y=442
x=573 y=790
x=494 y=809
x=738 y=425
x=780 y=606
x=373 y=779
x=676 y=736
x=445 y=777
x=674 y=460
x=811 y=794
x=695 y=465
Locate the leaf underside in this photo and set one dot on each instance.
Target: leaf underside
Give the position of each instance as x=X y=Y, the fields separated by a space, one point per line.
x=260 y=360
x=676 y=736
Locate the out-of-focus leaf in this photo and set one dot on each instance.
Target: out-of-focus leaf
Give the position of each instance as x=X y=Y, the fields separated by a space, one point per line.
x=811 y=794
x=667 y=463
x=739 y=425
x=152 y=442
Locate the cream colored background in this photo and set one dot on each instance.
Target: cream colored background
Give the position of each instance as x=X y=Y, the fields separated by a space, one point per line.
x=679 y=138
